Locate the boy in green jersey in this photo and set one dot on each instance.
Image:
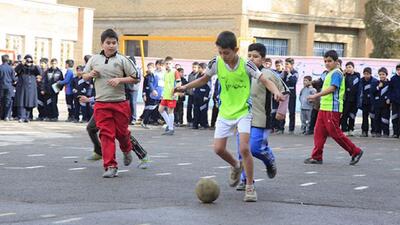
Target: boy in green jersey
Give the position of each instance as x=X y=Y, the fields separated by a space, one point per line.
x=234 y=74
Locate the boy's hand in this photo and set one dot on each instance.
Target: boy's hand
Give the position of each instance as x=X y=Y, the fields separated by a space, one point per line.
x=279 y=97
x=312 y=97
x=42 y=92
x=154 y=93
x=180 y=89
x=388 y=101
x=83 y=99
x=136 y=80
x=144 y=98
x=94 y=73
x=113 y=82
x=380 y=84
x=279 y=117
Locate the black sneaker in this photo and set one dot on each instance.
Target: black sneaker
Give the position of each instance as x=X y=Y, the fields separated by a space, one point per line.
x=312 y=161
x=364 y=134
x=356 y=158
x=395 y=136
x=271 y=170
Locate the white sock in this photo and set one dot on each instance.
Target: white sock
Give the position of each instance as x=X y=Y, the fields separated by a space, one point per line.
x=171 y=121
x=165 y=117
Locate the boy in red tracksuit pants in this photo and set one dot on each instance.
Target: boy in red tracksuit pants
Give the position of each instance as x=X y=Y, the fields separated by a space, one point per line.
x=110 y=71
x=328 y=121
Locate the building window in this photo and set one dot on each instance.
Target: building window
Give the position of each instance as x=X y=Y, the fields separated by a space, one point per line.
x=42 y=48
x=16 y=43
x=132 y=48
x=321 y=47
x=67 y=51
x=274 y=46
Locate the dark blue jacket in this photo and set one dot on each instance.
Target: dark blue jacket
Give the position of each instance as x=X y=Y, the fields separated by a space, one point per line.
x=50 y=77
x=364 y=92
x=352 y=82
x=81 y=87
x=394 y=89
x=146 y=89
x=380 y=94
x=7 y=77
x=291 y=81
x=26 y=88
x=202 y=92
x=153 y=85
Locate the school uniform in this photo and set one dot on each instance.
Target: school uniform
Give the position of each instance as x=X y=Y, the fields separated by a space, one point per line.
x=178 y=111
x=51 y=77
x=7 y=80
x=290 y=80
x=352 y=83
x=306 y=108
x=69 y=97
x=80 y=87
x=381 y=108
x=365 y=102
x=201 y=99
x=394 y=96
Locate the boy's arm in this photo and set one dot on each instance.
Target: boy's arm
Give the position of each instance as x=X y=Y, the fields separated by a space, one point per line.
x=194 y=84
x=271 y=87
x=68 y=77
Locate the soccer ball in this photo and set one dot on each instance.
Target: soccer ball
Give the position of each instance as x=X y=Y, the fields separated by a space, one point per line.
x=207 y=190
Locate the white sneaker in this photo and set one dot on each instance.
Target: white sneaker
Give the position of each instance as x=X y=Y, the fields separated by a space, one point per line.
x=127 y=158
x=234 y=178
x=250 y=194
x=111 y=172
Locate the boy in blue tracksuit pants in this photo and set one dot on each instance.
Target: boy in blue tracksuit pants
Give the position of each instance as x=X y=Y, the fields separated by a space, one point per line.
x=69 y=96
x=394 y=96
x=365 y=100
x=262 y=121
x=381 y=106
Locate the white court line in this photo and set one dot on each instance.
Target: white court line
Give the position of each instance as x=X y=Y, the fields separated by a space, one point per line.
x=14 y=168
x=396 y=169
x=206 y=177
x=7 y=214
x=257 y=180
x=35 y=155
x=78 y=168
x=307 y=184
x=158 y=156
x=360 y=188
x=184 y=164
x=222 y=167
x=34 y=167
x=3 y=153
x=359 y=175
x=311 y=172
x=339 y=157
x=68 y=220
x=2 y=164
x=378 y=159
x=163 y=174
x=47 y=216
x=70 y=157
x=122 y=171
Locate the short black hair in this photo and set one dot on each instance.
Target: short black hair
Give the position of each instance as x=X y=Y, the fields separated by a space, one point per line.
x=5 y=58
x=278 y=61
x=180 y=69
x=86 y=58
x=44 y=60
x=384 y=70
x=226 y=39
x=109 y=33
x=168 y=58
x=397 y=66
x=268 y=60
x=308 y=77
x=195 y=63
x=332 y=54
x=70 y=63
x=150 y=64
x=340 y=62
x=260 y=48
x=53 y=60
x=350 y=64
x=290 y=61
x=367 y=70
x=203 y=65
x=159 y=62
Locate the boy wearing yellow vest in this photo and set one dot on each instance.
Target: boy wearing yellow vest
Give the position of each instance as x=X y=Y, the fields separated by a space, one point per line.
x=235 y=75
x=172 y=79
x=328 y=121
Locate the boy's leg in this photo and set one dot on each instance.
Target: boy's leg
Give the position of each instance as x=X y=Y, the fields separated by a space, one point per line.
x=197 y=113
x=247 y=158
x=345 y=116
x=378 y=121
x=171 y=117
x=121 y=115
x=77 y=109
x=303 y=118
x=385 y=120
x=292 y=112
x=352 y=116
x=365 y=115
x=163 y=113
x=92 y=132
x=203 y=114
x=103 y=114
x=69 y=99
x=332 y=126
x=320 y=135
x=308 y=121
x=395 y=119
x=189 y=110
x=372 y=118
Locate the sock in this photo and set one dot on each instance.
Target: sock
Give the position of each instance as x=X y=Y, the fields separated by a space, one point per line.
x=171 y=121
x=165 y=117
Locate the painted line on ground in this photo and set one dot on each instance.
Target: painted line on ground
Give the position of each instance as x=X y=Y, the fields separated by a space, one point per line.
x=7 y=214
x=71 y=157
x=78 y=168
x=13 y=168
x=258 y=180
x=222 y=167
x=378 y=159
x=361 y=188
x=307 y=184
x=163 y=174
x=68 y=220
x=34 y=167
x=47 y=216
x=184 y=164
x=359 y=175
x=206 y=177
x=158 y=156
x=122 y=171
x=3 y=153
x=311 y=172
x=36 y=155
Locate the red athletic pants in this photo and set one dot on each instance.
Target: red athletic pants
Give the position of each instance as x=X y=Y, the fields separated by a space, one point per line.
x=112 y=119
x=328 y=125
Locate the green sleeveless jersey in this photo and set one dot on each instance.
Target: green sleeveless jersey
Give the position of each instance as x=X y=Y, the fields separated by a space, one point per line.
x=235 y=90
x=169 y=85
x=333 y=102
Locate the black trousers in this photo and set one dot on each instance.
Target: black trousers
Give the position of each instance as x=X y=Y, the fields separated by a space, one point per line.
x=382 y=115
x=367 y=118
x=214 y=115
x=200 y=113
x=5 y=103
x=189 y=109
x=41 y=107
x=178 y=112
x=314 y=115
x=395 y=118
x=69 y=99
x=51 y=107
x=292 y=114
x=150 y=111
x=348 y=116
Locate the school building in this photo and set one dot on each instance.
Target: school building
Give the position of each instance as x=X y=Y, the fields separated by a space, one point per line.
x=44 y=28
x=286 y=27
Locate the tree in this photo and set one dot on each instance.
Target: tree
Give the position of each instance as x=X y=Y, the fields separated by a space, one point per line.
x=382 y=21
